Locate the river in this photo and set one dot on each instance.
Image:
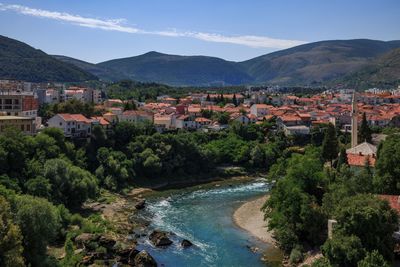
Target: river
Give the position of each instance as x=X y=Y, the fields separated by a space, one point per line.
x=204 y=216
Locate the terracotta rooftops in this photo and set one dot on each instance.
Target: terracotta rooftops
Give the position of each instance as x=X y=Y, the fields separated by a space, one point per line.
x=74 y=117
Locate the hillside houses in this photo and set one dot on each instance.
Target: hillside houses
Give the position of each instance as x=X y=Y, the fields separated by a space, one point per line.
x=294 y=115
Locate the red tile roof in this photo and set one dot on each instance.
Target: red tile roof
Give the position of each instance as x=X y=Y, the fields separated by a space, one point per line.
x=360 y=160
x=74 y=117
x=393 y=201
x=101 y=120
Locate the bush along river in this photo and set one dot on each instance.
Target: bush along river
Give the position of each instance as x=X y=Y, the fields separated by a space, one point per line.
x=203 y=216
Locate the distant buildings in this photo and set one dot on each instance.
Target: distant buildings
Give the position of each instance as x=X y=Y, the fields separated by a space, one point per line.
x=73 y=125
x=14 y=103
x=24 y=124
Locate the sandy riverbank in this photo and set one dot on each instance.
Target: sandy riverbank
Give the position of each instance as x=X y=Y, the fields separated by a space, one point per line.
x=250 y=218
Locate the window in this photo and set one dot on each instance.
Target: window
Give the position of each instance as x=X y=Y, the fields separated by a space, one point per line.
x=60 y=123
x=22 y=128
x=28 y=127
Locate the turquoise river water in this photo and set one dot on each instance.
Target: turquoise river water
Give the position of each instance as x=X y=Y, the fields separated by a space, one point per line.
x=204 y=216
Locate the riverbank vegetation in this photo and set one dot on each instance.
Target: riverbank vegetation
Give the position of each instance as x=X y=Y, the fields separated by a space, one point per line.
x=308 y=192
x=45 y=179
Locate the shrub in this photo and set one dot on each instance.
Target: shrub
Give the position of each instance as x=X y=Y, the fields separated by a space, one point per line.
x=296 y=256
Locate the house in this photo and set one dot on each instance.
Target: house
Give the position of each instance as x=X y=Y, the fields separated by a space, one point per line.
x=194 y=111
x=169 y=100
x=163 y=121
x=240 y=118
x=73 y=125
x=184 y=122
x=260 y=110
x=15 y=103
x=135 y=116
x=74 y=94
x=289 y=120
x=202 y=122
x=110 y=117
x=25 y=124
x=359 y=155
x=109 y=103
x=296 y=130
x=106 y=125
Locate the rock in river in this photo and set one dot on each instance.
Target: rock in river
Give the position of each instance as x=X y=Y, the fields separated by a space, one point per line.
x=160 y=239
x=140 y=204
x=143 y=259
x=186 y=243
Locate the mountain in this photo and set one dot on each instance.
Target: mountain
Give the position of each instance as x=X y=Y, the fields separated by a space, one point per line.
x=97 y=70
x=316 y=62
x=308 y=64
x=180 y=70
x=384 y=71
x=355 y=63
x=22 y=62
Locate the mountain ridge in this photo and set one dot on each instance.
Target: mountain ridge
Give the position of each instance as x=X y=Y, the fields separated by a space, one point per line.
x=20 y=61
x=313 y=64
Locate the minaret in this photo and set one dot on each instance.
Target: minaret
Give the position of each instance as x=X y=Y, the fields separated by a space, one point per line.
x=354 y=122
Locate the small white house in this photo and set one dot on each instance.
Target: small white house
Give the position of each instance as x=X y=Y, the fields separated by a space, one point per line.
x=260 y=110
x=73 y=125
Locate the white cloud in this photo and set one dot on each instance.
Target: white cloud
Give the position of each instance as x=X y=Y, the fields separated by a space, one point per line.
x=119 y=25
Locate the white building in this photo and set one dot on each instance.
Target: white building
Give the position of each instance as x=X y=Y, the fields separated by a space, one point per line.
x=260 y=110
x=73 y=125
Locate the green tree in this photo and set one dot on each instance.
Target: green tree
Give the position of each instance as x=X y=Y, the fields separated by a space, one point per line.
x=39 y=224
x=365 y=130
x=257 y=157
x=10 y=238
x=330 y=144
x=39 y=187
x=223 y=117
x=342 y=158
x=114 y=170
x=293 y=210
x=71 y=185
x=387 y=178
x=234 y=100
x=342 y=250
x=372 y=220
x=373 y=259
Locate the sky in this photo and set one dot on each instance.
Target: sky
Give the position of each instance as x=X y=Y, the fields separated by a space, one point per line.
x=100 y=30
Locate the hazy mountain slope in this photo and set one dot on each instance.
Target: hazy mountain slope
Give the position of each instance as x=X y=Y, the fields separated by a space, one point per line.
x=179 y=70
x=316 y=62
x=353 y=62
x=23 y=62
x=382 y=72
x=101 y=72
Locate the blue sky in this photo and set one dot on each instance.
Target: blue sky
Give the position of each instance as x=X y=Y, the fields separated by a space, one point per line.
x=98 y=30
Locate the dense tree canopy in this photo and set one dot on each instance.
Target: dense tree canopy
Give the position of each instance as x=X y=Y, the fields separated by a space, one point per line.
x=387 y=177
x=10 y=238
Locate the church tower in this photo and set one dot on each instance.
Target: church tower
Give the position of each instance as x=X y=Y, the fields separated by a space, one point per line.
x=354 y=122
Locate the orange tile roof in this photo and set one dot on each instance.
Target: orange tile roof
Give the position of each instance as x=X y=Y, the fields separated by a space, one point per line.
x=359 y=160
x=393 y=201
x=201 y=119
x=101 y=120
x=74 y=117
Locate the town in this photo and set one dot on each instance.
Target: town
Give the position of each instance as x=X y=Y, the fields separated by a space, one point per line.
x=21 y=101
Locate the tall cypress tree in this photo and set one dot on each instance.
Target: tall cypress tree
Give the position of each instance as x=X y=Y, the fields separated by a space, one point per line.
x=342 y=158
x=234 y=100
x=330 y=144
x=365 y=131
